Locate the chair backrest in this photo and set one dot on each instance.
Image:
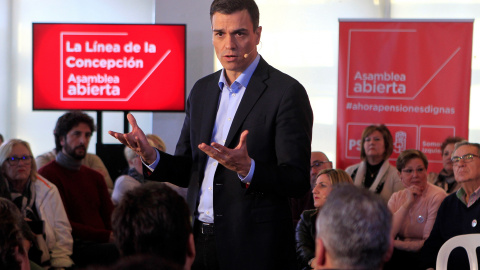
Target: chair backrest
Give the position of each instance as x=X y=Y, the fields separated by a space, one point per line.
x=469 y=242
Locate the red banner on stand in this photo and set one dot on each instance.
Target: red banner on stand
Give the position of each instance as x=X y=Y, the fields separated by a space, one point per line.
x=412 y=76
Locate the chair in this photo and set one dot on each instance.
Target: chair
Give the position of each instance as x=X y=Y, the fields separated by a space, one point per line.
x=469 y=242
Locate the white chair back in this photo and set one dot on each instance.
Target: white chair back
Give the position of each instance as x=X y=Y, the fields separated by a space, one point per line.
x=469 y=242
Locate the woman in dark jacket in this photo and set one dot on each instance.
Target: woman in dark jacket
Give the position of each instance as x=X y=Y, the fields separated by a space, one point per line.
x=305 y=232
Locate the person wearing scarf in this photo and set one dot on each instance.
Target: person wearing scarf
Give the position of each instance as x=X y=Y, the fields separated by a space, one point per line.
x=374 y=172
x=39 y=202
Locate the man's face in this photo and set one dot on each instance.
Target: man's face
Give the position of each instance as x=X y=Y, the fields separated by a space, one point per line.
x=466 y=171
x=318 y=162
x=233 y=37
x=75 y=144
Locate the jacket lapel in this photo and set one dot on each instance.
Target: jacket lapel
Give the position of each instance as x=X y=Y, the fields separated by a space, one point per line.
x=254 y=90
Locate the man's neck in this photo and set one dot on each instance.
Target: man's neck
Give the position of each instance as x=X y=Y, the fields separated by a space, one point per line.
x=68 y=162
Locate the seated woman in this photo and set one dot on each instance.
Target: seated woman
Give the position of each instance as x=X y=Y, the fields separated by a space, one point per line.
x=374 y=172
x=129 y=181
x=414 y=210
x=305 y=232
x=39 y=202
x=445 y=178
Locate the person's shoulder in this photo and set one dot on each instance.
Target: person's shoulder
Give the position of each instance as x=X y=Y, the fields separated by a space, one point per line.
x=436 y=190
x=275 y=76
x=50 y=166
x=351 y=168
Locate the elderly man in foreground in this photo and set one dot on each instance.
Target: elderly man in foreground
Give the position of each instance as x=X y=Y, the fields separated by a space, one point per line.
x=353 y=230
x=460 y=212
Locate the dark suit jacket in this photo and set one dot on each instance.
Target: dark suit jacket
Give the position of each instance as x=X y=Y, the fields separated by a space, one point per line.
x=253 y=226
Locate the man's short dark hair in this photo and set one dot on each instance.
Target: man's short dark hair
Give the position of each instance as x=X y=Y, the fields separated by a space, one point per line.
x=152 y=219
x=232 y=6
x=354 y=225
x=68 y=121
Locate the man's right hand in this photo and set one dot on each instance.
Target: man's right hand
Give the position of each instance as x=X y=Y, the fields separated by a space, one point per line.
x=137 y=141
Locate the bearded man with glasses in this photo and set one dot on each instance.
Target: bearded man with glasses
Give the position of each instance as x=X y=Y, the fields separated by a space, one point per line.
x=460 y=212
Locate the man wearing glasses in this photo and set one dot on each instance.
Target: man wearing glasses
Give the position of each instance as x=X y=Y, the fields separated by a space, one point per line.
x=460 y=212
x=318 y=162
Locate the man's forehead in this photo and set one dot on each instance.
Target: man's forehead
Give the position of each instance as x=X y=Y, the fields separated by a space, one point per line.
x=81 y=127
x=465 y=149
x=318 y=156
x=238 y=19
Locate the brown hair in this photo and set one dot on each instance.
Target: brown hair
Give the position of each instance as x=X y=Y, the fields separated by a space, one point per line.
x=450 y=140
x=231 y=6
x=408 y=155
x=387 y=140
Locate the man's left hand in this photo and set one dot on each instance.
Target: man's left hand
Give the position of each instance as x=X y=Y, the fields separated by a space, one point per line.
x=236 y=159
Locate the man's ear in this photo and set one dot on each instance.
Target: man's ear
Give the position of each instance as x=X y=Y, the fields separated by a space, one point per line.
x=258 y=33
x=190 y=256
x=320 y=252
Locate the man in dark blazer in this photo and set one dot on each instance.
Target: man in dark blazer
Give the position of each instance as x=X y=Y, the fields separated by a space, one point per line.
x=238 y=189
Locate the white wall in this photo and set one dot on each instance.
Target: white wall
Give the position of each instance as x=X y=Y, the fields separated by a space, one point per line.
x=36 y=127
x=200 y=55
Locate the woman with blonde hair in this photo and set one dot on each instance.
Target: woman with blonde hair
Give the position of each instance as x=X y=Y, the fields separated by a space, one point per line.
x=39 y=202
x=305 y=231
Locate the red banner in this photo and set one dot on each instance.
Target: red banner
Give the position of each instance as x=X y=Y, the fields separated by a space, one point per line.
x=109 y=67
x=412 y=76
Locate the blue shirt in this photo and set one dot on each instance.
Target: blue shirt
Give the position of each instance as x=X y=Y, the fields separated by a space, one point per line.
x=230 y=98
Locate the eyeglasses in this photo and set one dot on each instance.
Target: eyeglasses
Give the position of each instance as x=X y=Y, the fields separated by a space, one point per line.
x=466 y=158
x=15 y=160
x=410 y=171
x=317 y=164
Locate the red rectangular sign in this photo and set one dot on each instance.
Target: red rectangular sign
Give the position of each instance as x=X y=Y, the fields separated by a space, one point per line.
x=413 y=76
x=126 y=67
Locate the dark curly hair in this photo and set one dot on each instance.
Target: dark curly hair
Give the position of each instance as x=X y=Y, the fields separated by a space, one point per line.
x=68 y=121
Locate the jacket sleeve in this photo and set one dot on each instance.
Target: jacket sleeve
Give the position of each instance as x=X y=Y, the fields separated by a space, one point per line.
x=56 y=216
x=305 y=243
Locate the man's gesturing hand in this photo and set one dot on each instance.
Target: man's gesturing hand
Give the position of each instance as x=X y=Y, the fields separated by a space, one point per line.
x=236 y=159
x=137 y=141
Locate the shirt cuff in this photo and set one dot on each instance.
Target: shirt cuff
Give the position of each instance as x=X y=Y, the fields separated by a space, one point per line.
x=152 y=166
x=249 y=176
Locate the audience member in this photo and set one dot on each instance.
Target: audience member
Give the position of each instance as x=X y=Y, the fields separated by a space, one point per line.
x=305 y=232
x=353 y=230
x=13 y=243
x=132 y=179
x=374 y=172
x=83 y=191
x=157 y=142
x=445 y=179
x=153 y=219
x=318 y=161
x=459 y=212
x=92 y=161
x=415 y=209
x=38 y=201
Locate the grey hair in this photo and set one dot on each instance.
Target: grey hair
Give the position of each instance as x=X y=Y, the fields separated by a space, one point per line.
x=466 y=143
x=354 y=225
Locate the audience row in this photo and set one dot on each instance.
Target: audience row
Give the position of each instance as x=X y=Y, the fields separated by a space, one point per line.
x=61 y=216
